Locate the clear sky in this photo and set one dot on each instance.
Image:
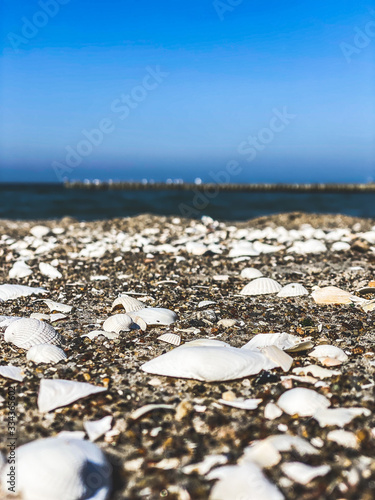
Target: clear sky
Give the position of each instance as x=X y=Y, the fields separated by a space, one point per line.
x=181 y=88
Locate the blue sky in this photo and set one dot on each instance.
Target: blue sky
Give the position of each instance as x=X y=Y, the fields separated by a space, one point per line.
x=181 y=87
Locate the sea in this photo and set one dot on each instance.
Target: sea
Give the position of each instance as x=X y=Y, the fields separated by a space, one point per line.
x=54 y=201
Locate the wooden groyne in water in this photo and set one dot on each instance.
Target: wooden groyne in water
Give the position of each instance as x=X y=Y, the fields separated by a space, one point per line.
x=240 y=188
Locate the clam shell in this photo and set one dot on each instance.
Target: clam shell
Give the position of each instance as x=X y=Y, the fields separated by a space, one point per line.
x=331 y=295
x=208 y=363
x=329 y=351
x=339 y=416
x=303 y=402
x=49 y=271
x=293 y=290
x=130 y=304
x=97 y=428
x=155 y=316
x=284 y=341
x=11 y=292
x=20 y=270
x=27 y=332
x=303 y=473
x=12 y=372
x=118 y=323
x=170 y=338
x=251 y=273
x=45 y=353
x=61 y=469
x=54 y=393
x=261 y=286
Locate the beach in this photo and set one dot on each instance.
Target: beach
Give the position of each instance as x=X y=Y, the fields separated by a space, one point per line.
x=193 y=267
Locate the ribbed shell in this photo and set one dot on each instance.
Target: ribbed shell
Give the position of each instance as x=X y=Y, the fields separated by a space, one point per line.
x=27 y=332
x=61 y=469
x=155 y=316
x=331 y=295
x=170 y=338
x=303 y=402
x=293 y=290
x=261 y=286
x=130 y=304
x=45 y=353
x=118 y=323
x=10 y=292
x=251 y=273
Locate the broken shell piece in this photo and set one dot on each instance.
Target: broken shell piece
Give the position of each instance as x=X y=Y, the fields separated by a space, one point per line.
x=54 y=393
x=49 y=271
x=170 y=338
x=206 y=465
x=293 y=290
x=40 y=317
x=261 y=286
x=140 y=323
x=302 y=473
x=118 y=323
x=205 y=303
x=39 y=231
x=155 y=316
x=130 y=304
x=20 y=270
x=343 y=438
x=272 y=411
x=251 y=273
x=11 y=292
x=331 y=295
x=279 y=357
x=56 y=317
x=316 y=371
x=330 y=352
x=97 y=428
x=12 y=372
x=57 y=306
x=27 y=332
x=45 y=353
x=284 y=341
x=242 y=404
x=303 y=402
x=339 y=416
x=139 y=412
x=227 y=322
x=96 y=333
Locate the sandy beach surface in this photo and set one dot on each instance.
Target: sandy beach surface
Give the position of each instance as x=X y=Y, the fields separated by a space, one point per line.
x=177 y=264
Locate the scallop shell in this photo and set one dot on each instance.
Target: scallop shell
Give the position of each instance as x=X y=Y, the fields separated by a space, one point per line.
x=27 y=332
x=284 y=341
x=97 y=428
x=130 y=304
x=54 y=393
x=170 y=338
x=303 y=473
x=45 y=353
x=331 y=295
x=339 y=416
x=12 y=372
x=261 y=286
x=118 y=323
x=20 y=270
x=10 y=292
x=293 y=290
x=329 y=351
x=208 y=363
x=155 y=316
x=49 y=271
x=61 y=469
x=251 y=273
x=303 y=402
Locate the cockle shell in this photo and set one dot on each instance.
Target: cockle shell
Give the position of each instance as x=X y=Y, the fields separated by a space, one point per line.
x=118 y=323
x=61 y=469
x=303 y=402
x=45 y=353
x=97 y=428
x=339 y=416
x=331 y=295
x=251 y=273
x=293 y=290
x=321 y=352
x=54 y=393
x=303 y=473
x=12 y=372
x=130 y=304
x=261 y=286
x=284 y=341
x=208 y=363
x=10 y=292
x=170 y=338
x=20 y=270
x=27 y=332
x=155 y=316
x=49 y=271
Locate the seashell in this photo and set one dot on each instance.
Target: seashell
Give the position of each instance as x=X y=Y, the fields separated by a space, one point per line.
x=118 y=323
x=261 y=286
x=170 y=338
x=242 y=249
x=208 y=463
x=306 y=247
x=242 y=404
x=339 y=416
x=340 y=246
x=49 y=271
x=20 y=270
x=155 y=316
x=45 y=353
x=284 y=341
x=204 y=303
x=206 y=342
x=227 y=322
x=316 y=371
x=303 y=402
x=369 y=306
x=11 y=292
x=238 y=481
x=54 y=393
x=272 y=411
x=303 y=473
x=56 y=317
x=328 y=351
x=39 y=231
x=61 y=469
x=27 y=332
x=293 y=290
x=57 y=306
x=12 y=372
x=130 y=304
x=208 y=363
x=96 y=333
x=331 y=295
x=279 y=357
x=140 y=323
x=71 y=434
x=97 y=428
x=251 y=273
x=8 y=320
x=343 y=438
x=139 y=412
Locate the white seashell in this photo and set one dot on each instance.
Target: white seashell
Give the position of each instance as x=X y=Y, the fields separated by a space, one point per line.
x=340 y=246
x=20 y=270
x=328 y=351
x=261 y=286
x=97 y=428
x=61 y=469
x=242 y=404
x=251 y=273
x=12 y=372
x=245 y=481
x=56 y=317
x=45 y=353
x=40 y=317
x=96 y=333
x=293 y=290
x=287 y=443
x=343 y=438
x=272 y=411
x=331 y=295
x=208 y=363
x=11 y=292
x=264 y=248
x=130 y=304
x=284 y=341
x=71 y=435
x=302 y=473
x=279 y=357
x=57 y=306
x=303 y=402
x=208 y=463
x=49 y=271
x=339 y=416
x=243 y=248
x=316 y=371
x=27 y=332
x=155 y=316
x=140 y=323
x=139 y=412
x=204 y=303
x=261 y=453
x=118 y=323
x=306 y=247
x=8 y=320
x=369 y=306
x=39 y=231
x=170 y=338
x=54 y=393
x=227 y=322
x=206 y=342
